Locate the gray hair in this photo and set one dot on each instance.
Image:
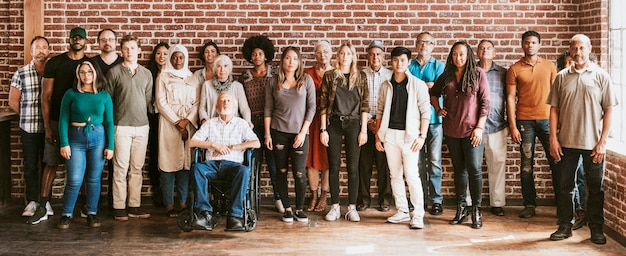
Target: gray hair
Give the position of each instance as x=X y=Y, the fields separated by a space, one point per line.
x=224 y=59
x=581 y=37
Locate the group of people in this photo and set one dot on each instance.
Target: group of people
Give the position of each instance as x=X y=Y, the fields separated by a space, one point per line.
x=395 y=119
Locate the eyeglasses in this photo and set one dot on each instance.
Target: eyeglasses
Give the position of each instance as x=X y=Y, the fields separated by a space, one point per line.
x=425 y=42
x=84 y=73
x=110 y=40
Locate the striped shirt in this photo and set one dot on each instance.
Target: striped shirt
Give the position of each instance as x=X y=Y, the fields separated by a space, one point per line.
x=374 y=80
x=28 y=81
x=234 y=132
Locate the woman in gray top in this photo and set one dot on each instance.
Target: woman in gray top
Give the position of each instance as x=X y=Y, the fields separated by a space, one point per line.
x=289 y=110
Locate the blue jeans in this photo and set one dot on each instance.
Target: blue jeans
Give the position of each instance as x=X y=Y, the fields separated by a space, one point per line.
x=259 y=153
x=283 y=151
x=32 y=148
x=238 y=174
x=529 y=130
x=595 y=185
x=579 y=190
x=86 y=161
x=431 y=171
x=467 y=161
x=181 y=179
x=349 y=131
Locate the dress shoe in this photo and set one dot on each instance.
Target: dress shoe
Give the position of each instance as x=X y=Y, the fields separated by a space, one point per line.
x=461 y=214
x=384 y=208
x=597 y=236
x=498 y=211
x=234 y=224
x=564 y=232
x=436 y=209
x=204 y=221
x=477 y=218
x=362 y=207
x=580 y=219
x=528 y=212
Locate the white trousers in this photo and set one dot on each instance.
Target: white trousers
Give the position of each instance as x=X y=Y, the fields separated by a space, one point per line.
x=401 y=160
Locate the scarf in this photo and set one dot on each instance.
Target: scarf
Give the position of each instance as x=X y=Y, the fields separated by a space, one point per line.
x=222 y=86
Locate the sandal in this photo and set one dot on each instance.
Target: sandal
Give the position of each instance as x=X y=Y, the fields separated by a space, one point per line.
x=173 y=213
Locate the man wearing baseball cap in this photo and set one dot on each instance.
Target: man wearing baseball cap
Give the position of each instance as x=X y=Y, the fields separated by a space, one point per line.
x=376 y=74
x=58 y=77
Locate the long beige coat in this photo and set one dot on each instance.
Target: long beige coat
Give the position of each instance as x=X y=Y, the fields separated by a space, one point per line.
x=176 y=99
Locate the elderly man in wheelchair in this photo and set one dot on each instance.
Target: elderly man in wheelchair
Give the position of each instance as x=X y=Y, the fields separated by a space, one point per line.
x=225 y=139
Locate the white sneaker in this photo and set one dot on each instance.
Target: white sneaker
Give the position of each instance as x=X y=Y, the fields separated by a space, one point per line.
x=333 y=214
x=49 y=210
x=417 y=222
x=352 y=215
x=400 y=216
x=279 y=206
x=29 y=211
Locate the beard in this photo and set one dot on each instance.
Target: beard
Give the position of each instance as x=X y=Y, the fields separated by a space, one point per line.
x=226 y=111
x=77 y=47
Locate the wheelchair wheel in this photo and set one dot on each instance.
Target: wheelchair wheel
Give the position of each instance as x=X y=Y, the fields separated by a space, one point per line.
x=251 y=221
x=185 y=220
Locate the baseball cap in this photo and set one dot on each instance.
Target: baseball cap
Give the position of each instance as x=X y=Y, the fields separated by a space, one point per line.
x=78 y=31
x=377 y=44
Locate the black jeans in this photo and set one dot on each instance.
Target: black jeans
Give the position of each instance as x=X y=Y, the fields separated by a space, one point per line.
x=348 y=129
x=594 y=175
x=32 y=148
x=283 y=150
x=153 y=149
x=467 y=161
x=259 y=153
x=369 y=155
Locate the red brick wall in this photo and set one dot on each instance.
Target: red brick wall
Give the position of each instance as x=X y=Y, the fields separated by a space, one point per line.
x=395 y=22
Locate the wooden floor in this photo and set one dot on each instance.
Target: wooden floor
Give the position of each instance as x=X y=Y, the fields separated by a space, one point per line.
x=159 y=235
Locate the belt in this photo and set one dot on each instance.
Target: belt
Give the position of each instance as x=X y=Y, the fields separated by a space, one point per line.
x=346 y=118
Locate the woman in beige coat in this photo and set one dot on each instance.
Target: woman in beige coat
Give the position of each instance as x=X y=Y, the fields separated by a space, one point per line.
x=178 y=96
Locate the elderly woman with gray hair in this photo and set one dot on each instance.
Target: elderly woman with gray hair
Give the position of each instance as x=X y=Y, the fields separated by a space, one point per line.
x=222 y=82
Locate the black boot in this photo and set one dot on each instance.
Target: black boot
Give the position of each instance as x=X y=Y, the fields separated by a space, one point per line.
x=461 y=214
x=477 y=218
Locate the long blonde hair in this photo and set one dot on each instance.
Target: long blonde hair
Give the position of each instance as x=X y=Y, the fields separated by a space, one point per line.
x=354 y=70
x=299 y=75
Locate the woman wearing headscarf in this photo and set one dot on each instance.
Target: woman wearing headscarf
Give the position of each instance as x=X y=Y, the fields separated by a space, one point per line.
x=178 y=96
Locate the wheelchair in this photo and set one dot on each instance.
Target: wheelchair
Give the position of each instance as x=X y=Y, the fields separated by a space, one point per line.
x=219 y=192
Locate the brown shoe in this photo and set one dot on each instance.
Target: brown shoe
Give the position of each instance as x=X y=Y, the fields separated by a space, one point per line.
x=321 y=202
x=313 y=201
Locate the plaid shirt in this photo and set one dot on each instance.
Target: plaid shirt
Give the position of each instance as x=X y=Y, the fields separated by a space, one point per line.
x=28 y=81
x=496 y=120
x=234 y=132
x=374 y=80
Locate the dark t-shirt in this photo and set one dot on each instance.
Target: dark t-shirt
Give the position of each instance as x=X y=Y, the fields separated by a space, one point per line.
x=397 y=117
x=63 y=70
x=347 y=102
x=105 y=67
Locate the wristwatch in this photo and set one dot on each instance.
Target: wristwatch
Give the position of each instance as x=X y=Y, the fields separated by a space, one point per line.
x=322 y=130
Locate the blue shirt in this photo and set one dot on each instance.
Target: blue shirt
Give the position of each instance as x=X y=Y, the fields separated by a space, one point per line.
x=496 y=120
x=429 y=73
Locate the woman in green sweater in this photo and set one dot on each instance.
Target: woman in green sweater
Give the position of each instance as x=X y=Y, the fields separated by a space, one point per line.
x=86 y=139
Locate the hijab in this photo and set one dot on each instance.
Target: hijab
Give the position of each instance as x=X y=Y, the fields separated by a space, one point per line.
x=183 y=72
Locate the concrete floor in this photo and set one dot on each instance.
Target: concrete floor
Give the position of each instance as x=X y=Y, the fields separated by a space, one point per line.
x=508 y=235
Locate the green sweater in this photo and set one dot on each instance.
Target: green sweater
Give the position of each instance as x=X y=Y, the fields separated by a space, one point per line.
x=90 y=108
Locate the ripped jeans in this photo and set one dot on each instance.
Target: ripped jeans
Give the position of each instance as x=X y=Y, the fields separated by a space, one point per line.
x=529 y=130
x=283 y=150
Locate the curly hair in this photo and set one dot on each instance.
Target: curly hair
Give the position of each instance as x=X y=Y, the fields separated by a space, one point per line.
x=204 y=46
x=470 y=75
x=261 y=42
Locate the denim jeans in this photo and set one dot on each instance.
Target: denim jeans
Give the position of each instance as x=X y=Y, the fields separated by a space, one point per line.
x=349 y=130
x=431 y=170
x=579 y=190
x=529 y=130
x=181 y=179
x=466 y=161
x=32 y=148
x=283 y=151
x=86 y=161
x=595 y=186
x=260 y=153
x=238 y=174
x=369 y=155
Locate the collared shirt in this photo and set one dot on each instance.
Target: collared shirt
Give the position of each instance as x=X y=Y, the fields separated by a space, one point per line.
x=131 y=94
x=581 y=97
x=399 y=98
x=496 y=120
x=532 y=84
x=28 y=81
x=374 y=80
x=429 y=73
x=236 y=131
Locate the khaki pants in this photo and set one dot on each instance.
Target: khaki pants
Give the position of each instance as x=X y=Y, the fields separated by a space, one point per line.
x=130 y=154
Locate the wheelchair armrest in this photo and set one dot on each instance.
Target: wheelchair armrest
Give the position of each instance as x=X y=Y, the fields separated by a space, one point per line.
x=247 y=157
x=199 y=155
